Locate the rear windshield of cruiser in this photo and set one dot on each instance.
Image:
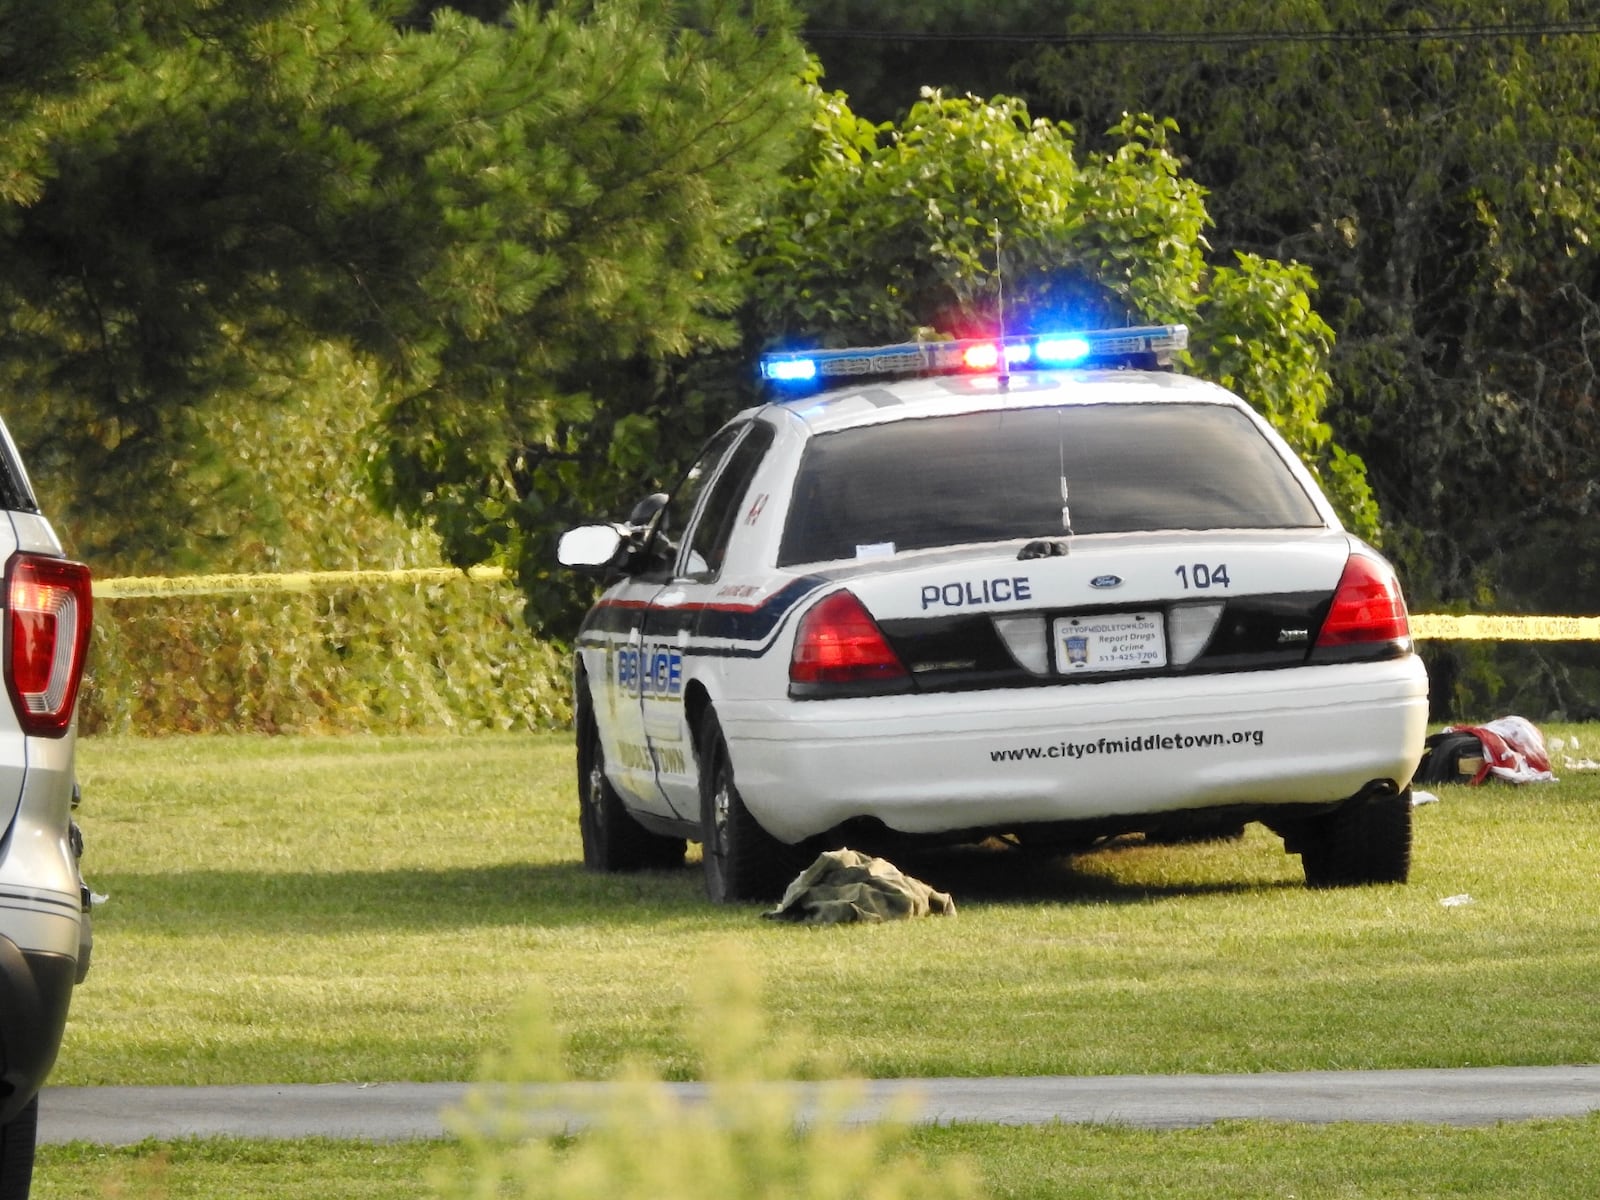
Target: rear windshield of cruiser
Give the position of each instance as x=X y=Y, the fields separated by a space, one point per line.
x=994 y=476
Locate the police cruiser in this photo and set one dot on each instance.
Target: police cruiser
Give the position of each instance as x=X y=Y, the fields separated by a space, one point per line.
x=1037 y=586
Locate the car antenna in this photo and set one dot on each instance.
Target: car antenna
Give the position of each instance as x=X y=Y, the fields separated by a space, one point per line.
x=1061 y=449
x=1004 y=365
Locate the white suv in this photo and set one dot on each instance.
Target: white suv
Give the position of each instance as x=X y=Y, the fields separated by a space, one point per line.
x=44 y=905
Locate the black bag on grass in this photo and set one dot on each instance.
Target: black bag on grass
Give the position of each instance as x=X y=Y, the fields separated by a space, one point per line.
x=1450 y=758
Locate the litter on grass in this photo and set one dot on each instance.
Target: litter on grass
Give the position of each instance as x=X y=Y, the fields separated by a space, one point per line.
x=845 y=885
x=1568 y=763
x=1510 y=749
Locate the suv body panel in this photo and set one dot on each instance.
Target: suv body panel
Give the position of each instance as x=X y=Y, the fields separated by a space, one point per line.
x=45 y=928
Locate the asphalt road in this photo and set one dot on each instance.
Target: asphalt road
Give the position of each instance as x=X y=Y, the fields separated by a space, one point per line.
x=395 y=1111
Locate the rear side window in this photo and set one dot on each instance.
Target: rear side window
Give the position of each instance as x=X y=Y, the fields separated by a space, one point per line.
x=723 y=504
x=1029 y=473
x=15 y=494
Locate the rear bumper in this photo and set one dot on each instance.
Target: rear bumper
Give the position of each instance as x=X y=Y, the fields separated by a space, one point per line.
x=1001 y=759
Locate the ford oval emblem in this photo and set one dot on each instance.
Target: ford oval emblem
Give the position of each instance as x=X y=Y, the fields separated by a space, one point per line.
x=1106 y=581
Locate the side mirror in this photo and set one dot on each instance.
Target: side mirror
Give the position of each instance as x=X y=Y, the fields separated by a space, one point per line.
x=590 y=546
x=645 y=511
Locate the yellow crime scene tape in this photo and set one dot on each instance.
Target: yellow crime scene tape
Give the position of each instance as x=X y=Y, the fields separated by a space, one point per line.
x=1471 y=627
x=1424 y=626
x=133 y=586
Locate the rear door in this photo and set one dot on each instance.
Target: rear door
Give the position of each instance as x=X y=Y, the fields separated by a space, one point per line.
x=690 y=610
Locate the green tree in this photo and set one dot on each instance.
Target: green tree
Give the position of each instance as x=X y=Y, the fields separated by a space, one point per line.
x=881 y=52
x=496 y=217
x=645 y=147
x=892 y=228
x=536 y=235
x=44 y=51
x=1439 y=179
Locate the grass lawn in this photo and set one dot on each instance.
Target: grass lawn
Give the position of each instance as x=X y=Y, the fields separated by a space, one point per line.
x=310 y=910
x=1548 y=1160
x=306 y=910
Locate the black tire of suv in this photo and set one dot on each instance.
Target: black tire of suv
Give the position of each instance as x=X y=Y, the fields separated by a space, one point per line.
x=742 y=860
x=17 y=1138
x=1366 y=840
x=612 y=840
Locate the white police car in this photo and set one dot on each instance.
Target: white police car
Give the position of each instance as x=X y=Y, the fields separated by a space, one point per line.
x=1042 y=587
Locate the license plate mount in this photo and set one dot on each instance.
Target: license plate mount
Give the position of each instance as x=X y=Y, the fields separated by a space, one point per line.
x=1097 y=643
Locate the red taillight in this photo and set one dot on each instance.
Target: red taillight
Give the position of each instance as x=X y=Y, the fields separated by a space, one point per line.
x=48 y=611
x=1367 y=607
x=839 y=643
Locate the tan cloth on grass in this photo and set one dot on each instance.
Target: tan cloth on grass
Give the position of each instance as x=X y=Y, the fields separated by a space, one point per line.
x=846 y=885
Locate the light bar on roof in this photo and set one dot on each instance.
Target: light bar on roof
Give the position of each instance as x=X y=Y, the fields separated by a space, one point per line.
x=1096 y=347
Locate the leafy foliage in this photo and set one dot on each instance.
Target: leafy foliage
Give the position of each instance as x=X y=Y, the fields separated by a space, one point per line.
x=378 y=658
x=452 y=656
x=879 y=52
x=503 y=220
x=1440 y=187
x=627 y=160
x=889 y=228
x=41 y=56
x=529 y=238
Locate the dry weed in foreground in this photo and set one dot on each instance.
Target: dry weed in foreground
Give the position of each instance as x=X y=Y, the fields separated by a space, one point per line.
x=748 y=1134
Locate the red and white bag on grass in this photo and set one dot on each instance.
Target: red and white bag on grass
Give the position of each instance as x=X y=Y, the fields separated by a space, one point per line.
x=1513 y=750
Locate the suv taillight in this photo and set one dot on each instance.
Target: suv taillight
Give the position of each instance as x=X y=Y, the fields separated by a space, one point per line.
x=1368 y=611
x=839 y=650
x=49 y=607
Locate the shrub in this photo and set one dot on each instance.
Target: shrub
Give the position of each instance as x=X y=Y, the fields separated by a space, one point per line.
x=296 y=458
x=374 y=659
x=755 y=1137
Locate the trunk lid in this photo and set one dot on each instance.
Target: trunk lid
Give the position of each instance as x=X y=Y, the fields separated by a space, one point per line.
x=1100 y=607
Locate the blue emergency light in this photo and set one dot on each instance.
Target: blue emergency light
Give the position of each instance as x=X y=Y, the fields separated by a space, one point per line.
x=1141 y=345
x=791 y=370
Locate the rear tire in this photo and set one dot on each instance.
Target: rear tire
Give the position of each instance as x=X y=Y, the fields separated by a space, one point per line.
x=17 y=1138
x=612 y=840
x=742 y=860
x=1367 y=839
